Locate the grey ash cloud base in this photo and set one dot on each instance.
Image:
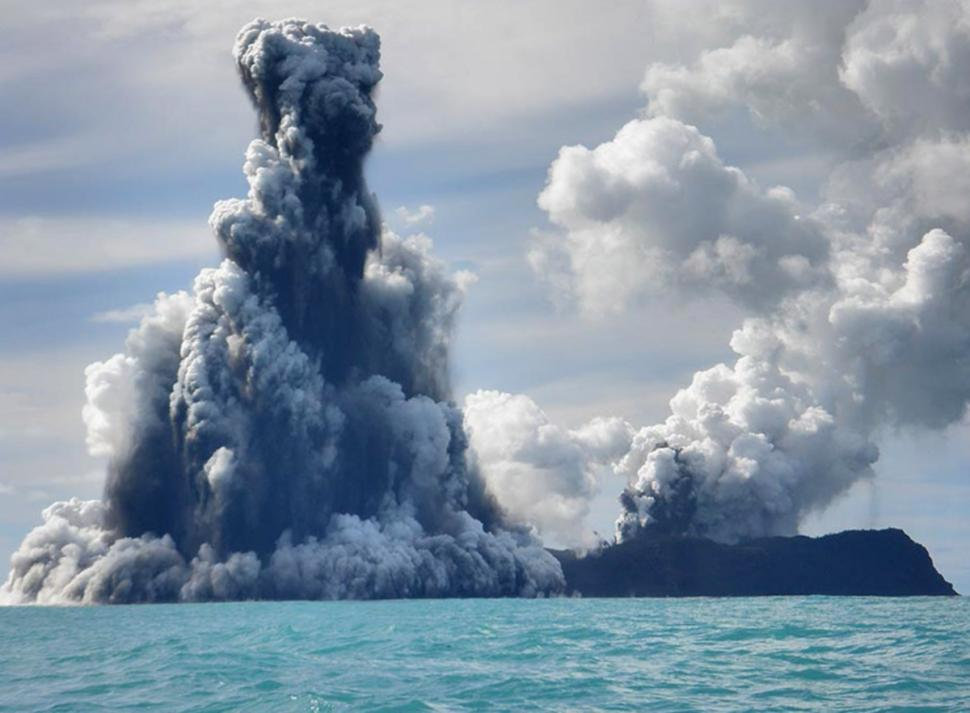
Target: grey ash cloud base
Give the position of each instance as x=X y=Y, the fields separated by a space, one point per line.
x=286 y=431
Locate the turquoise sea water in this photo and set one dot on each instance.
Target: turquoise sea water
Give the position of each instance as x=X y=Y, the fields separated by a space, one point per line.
x=807 y=653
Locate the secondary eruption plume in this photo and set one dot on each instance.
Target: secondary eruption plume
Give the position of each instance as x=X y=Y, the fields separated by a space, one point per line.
x=859 y=307
x=285 y=430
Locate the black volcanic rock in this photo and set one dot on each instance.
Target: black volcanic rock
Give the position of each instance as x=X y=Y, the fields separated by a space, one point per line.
x=854 y=562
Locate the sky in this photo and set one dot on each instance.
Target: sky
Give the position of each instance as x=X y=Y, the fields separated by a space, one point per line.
x=124 y=122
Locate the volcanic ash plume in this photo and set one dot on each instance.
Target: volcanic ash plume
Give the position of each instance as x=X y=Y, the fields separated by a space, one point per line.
x=285 y=430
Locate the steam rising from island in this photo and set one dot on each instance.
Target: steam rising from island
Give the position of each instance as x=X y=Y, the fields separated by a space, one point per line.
x=859 y=308
x=285 y=430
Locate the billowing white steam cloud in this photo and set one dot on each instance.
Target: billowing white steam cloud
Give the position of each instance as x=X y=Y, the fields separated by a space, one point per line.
x=861 y=306
x=633 y=221
x=285 y=430
x=541 y=474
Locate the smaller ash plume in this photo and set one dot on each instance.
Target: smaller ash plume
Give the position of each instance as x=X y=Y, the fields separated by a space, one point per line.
x=859 y=307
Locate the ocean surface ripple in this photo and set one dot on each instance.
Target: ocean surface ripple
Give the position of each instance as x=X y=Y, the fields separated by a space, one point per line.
x=778 y=654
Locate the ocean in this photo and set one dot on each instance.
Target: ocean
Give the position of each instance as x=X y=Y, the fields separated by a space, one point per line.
x=765 y=654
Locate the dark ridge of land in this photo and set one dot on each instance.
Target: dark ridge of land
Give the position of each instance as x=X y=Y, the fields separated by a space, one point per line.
x=855 y=562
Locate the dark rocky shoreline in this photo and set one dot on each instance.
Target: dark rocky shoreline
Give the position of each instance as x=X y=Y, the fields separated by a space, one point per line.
x=855 y=562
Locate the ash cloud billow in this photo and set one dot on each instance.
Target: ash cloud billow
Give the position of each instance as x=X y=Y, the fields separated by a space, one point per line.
x=285 y=430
